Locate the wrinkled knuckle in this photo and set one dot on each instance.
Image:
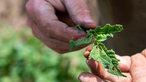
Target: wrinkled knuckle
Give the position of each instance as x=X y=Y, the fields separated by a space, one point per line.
x=144 y=52
x=28 y=6
x=86 y=11
x=81 y=16
x=31 y=7
x=77 y=19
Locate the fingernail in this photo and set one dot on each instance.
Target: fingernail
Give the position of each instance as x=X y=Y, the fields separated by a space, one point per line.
x=86 y=54
x=89 y=23
x=89 y=49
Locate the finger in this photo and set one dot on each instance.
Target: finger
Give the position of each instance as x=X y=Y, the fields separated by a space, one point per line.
x=89 y=48
x=54 y=44
x=125 y=63
x=59 y=6
x=58 y=46
x=44 y=14
x=98 y=70
x=86 y=54
x=138 y=67
x=95 y=67
x=114 y=78
x=79 y=12
x=144 y=52
x=88 y=77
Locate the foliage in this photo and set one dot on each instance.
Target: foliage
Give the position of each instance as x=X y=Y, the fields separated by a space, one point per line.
x=24 y=58
x=99 y=52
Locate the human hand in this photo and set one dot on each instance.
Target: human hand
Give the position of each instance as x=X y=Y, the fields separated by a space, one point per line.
x=53 y=21
x=133 y=67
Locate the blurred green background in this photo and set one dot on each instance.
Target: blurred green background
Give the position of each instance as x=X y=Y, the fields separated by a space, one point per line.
x=23 y=58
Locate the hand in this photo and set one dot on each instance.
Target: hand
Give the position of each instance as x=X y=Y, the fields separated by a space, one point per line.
x=133 y=67
x=53 y=21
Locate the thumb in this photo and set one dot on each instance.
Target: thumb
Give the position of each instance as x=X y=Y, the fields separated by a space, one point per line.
x=79 y=12
x=88 y=77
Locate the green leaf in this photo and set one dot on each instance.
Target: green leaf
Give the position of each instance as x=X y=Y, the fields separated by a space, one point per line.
x=101 y=37
x=93 y=53
x=79 y=27
x=108 y=29
x=85 y=40
x=101 y=33
x=72 y=44
x=109 y=62
x=99 y=51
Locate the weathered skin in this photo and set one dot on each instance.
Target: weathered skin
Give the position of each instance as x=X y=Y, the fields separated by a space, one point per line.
x=52 y=21
x=49 y=20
